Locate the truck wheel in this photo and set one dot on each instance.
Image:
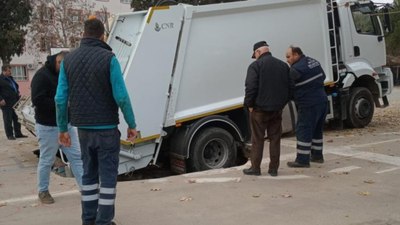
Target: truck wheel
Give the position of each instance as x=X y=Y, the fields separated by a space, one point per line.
x=212 y=148
x=360 y=108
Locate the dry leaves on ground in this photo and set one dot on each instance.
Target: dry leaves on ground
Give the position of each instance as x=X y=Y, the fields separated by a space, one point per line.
x=364 y=193
x=286 y=195
x=186 y=199
x=369 y=181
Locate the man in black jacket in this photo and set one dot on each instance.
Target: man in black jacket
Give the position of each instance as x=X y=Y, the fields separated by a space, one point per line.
x=268 y=89
x=43 y=90
x=9 y=95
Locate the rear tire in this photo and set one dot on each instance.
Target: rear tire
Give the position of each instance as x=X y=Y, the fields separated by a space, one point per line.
x=360 y=108
x=212 y=148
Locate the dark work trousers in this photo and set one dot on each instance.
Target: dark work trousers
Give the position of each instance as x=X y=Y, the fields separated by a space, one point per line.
x=100 y=156
x=309 y=132
x=272 y=122
x=11 y=124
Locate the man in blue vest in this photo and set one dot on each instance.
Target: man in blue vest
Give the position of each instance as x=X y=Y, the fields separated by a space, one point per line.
x=91 y=83
x=9 y=95
x=311 y=102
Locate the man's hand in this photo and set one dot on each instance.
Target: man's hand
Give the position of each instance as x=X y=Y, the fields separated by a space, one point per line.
x=3 y=102
x=64 y=139
x=132 y=133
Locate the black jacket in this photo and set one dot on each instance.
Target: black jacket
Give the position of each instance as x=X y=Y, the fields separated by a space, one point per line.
x=7 y=92
x=268 y=84
x=43 y=90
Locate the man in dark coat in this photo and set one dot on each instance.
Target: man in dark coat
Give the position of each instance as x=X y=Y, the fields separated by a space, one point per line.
x=268 y=89
x=9 y=95
x=43 y=90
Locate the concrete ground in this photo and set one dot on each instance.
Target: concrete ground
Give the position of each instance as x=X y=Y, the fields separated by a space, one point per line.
x=357 y=185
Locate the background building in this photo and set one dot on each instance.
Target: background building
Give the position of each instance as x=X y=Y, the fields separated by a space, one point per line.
x=34 y=57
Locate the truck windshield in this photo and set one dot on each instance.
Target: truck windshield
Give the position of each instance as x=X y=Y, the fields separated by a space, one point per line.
x=365 y=21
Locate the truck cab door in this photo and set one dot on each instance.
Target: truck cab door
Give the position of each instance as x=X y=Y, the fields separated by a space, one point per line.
x=366 y=34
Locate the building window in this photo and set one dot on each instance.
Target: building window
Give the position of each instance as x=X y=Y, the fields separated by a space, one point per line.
x=47 y=42
x=75 y=15
x=19 y=72
x=46 y=14
x=126 y=1
x=74 y=42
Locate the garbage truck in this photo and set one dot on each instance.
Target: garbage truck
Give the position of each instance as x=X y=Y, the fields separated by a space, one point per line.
x=185 y=67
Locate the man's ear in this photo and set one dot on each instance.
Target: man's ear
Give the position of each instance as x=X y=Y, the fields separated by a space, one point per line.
x=102 y=37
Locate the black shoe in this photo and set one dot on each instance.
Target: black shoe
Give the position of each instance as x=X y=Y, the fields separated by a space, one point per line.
x=317 y=160
x=297 y=165
x=252 y=171
x=273 y=172
x=90 y=223
x=11 y=138
x=21 y=136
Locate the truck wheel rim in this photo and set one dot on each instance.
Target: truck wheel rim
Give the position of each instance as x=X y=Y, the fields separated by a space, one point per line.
x=362 y=108
x=215 y=153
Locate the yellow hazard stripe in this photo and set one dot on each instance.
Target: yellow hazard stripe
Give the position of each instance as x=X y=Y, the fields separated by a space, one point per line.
x=152 y=9
x=329 y=83
x=178 y=122
x=140 y=140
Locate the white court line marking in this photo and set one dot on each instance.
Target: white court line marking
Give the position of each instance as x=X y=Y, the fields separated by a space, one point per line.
x=369 y=156
x=352 y=135
x=35 y=197
x=388 y=170
x=344 y=169
x=215 y=180
x=265 y=161
x=374 y=143
x=158 y=180
x=349 y=151
x=288 y=177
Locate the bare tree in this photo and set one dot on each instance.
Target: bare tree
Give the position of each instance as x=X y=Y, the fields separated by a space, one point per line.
x=57 y=23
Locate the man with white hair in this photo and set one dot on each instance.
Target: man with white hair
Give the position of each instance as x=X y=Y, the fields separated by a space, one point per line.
x=268 y=89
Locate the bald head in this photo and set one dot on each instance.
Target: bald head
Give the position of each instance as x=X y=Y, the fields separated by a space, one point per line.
x=293 y=54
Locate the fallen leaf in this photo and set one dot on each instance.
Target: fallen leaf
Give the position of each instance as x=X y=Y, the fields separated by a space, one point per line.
x=329 y=141
x=3 y=204
x=369 y=181
x=191 y=181
x=256 y=195
x=342 y=173
x=34 y=205
x=155 y=189
x=286 y=195
x=185 y=199
x=364 y=193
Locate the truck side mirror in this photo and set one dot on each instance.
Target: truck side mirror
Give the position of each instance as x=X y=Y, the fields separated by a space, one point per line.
x=387 y=24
